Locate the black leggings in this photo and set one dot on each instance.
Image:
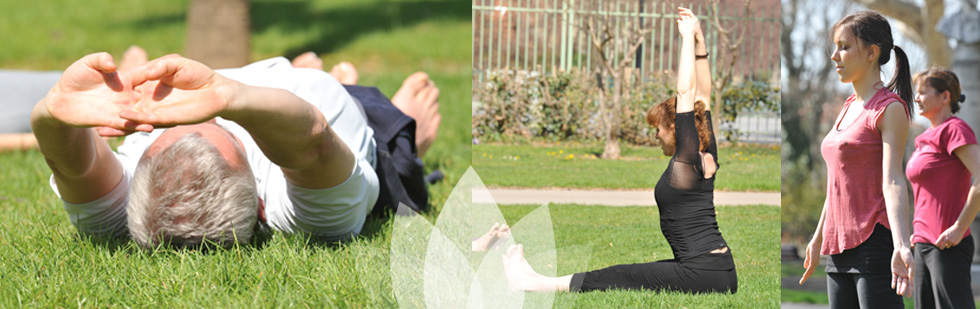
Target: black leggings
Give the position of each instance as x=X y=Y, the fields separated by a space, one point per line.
x=670 y=275
x=942 y=277
x=861 y=277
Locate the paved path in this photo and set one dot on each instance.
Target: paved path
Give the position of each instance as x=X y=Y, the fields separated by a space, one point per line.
x=614 y=198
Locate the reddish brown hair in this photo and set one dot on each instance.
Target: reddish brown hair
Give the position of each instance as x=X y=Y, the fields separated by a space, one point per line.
x=664 y=113
x=942 y=79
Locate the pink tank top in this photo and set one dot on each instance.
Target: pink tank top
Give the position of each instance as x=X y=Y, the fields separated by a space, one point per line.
x=853 y=154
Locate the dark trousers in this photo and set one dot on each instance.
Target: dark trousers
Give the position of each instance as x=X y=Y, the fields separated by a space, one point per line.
x=942 y=277
x=861 y=277
x=671 y=275
x=862 y=291
x=399 y=168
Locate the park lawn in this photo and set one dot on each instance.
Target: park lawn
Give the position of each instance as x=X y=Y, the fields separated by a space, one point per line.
x=47 y=264
x=619 y=235
x=575 y=165
x=386 y=40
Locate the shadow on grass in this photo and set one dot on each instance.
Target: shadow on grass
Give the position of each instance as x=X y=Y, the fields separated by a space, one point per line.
x=341 y=25
x=336 y=26
x=374 y=227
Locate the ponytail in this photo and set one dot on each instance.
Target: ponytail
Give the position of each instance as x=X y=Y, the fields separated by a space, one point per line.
x=901 y=83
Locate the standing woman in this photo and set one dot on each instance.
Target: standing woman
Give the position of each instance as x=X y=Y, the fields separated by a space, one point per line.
x=864 y=223
x=945 y=202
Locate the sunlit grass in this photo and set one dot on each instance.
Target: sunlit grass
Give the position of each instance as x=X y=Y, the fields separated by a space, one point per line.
x=573 y=165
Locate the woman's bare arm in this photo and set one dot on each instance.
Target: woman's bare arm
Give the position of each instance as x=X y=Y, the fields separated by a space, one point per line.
x=894 y=127
x=686 y=87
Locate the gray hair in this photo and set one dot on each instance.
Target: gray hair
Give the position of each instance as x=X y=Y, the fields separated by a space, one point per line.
x=188 y=194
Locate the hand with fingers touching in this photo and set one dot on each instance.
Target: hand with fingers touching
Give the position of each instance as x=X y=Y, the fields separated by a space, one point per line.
x=687 y=23
x=903 y=270
x=698 y=35
x=92 y=93
x=811 y=260
x=178 y=91
x=950 y=237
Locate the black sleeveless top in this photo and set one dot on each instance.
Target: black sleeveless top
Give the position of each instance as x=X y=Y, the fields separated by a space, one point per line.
x=685 y=198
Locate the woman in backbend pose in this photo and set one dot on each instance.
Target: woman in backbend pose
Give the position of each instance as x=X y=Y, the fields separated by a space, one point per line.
x=864 y=224
x=945 y=202
x=702 y=260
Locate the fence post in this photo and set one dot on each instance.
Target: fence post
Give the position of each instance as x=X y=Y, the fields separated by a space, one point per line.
x=569 y=34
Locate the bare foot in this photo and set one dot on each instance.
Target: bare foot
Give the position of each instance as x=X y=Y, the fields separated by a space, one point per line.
x=493 y=238
x=135 y=56
x=502 y=234
x=308 y=60
x=484 y=242
x=418 y=98
x=520 y=275
x=345 y=73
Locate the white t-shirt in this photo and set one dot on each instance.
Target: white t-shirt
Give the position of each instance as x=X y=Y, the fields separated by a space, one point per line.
x=332 y=213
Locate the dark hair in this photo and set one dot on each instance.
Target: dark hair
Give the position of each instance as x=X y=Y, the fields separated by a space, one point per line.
x=873 y=29
x=942 y=79
x=665 y=112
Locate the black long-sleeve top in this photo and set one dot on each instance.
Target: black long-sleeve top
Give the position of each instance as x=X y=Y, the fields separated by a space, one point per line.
x=685 y=198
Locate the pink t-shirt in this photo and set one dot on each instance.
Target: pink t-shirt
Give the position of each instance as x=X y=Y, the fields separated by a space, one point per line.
x=939 y=179
x=853 y=154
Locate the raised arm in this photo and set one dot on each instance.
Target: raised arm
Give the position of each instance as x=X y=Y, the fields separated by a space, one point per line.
x=894 y=127
x=294 y=134
x=702 y=69
x=970 y=156
x=89 y=94
x=291 y=132
x=686 y=87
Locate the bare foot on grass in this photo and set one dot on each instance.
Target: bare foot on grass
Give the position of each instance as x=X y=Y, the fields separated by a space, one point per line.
x=520 y=275
x=418 y=98
x=345 y=73
x=308 y=60
x=493 y=238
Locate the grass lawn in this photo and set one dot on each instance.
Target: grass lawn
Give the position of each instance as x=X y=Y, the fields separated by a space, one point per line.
x=46 y=264
x=573 y=165
x=387 y=40
x=620 y=235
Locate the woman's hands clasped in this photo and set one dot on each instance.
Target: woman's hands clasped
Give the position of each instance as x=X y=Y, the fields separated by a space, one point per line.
x=688 y=25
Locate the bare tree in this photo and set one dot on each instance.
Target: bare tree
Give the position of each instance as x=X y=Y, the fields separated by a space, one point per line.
x=732 y=41
x=218 y=32
x=807 y=77
x=809 y=86
x=918 y=23
x=615 y=48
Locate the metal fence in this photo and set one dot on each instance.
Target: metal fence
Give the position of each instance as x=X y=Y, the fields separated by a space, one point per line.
x=548 y=36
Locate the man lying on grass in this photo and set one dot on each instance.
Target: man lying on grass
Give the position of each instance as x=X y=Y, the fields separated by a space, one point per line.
x=266 y=145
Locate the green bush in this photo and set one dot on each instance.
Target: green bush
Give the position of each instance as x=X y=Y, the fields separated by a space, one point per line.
x=803 y=196
x=748 y=95
x=520 y=105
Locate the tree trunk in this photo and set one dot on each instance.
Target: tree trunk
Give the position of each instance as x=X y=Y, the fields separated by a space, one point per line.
x=613 y=110
x=218 y=32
